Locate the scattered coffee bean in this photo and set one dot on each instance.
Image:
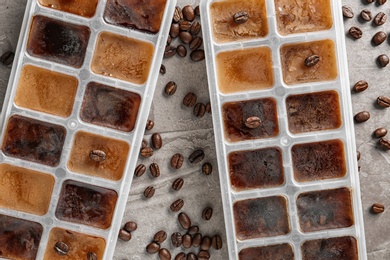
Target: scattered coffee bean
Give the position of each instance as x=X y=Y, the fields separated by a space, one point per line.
x=177 y=184
x=378 y=208
x=380 y=132
x=188 y=13
x=197 y=240
x=61 y=248
x=206 y=243
x=163 y=70
x=379 y=38
x=216 y=242
x=91 y=256
x=207 y=168
x=189 y=99
x=193 y=230
x=177 y=205
x=154 y=170
x=199 y=109
x=164 y=254
x=240 y=17
x=149 y=192
x=383 y=101
x=170 y=51
x=169 y=40
x=176 y=239
x=197 y=55
x=174 y=31
x=144 y=143
x=187 y=241
x=149 y=125
x=185 y=37
x=383 y=60
x=195 y=28
x=197 y=10
x=140 y=170
x=207 y=213
x=130 y=226
x=365 y=14
x=170 y=88
x=196 y=156
x=124 y=235
x=181 y=256
x=146 y=152
x=355 y=32
x=385 y=143
x=185 y=25
x=362 y=116
x=196 y=43
x=252 y=122
x=184 y=220
x=358 y=155
x=360 y=86
x=153 y=248
x=208 y=107
x=312 y=60
x=160 y=236
x=348 y=12
x=381 y=2
x=192 y=256
x=156 y=141
x=177 y=15
x=181 y=51
x=97 y=155
x=7 y=58
x=203 y=255
x=177 y=160
x=380 y=18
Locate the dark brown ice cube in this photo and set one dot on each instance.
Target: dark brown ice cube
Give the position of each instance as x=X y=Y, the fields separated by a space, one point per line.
x=331 y=248
x=274 y=252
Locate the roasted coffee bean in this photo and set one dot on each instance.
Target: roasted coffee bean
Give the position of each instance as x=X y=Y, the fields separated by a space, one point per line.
x=163 y=70
x=156 y=140
x=188 y=13
x=130 y=226
x=185 y=25
x=358 y=155
x=177 y=15
x=365 y=14
x=170 y=88
x=124 y=235
x=187 y=241
x=195 y=28
x=196 y=43
x=160 y=236
x=149 y=125
x=348 y=12
x=177 y=205
x=383 y=101
x=170 y=51
x=91 y=256
x=153 y=248
x=184 y=220
x=362 y=116
x=189 y=99
x=177 y=160
x=199 y=110
x=144 y=143
x=380 y=132
x=355 y=32
x=203 y=255
x=240 y=17
x=169 y=40
x=360 y=86
x=380 y=18
x=177 y=184
x=197 y=10
x=193 y=230
x=146 y=152
x=206 y=243
x=197 y=240
x=383 y=60
x=196 y=156
x=176 y=239
x=181 y=256
x=154 y=170
x=97 y=155
x=385 y=143
x=149 y=192
x=378 y=208
x=381 y=2
x=61 y=248
x=207 y=168
x=185 y=37
x=252 y=122
x=7 y=58
x=140 y=170
x=164 y=254
x=175 y=30
x=208 y=107
x=181 y=51
x=197 y=55
x=216 y=242
x=207 y=213
x=312 y=60
x=192 y=256
x=379 y=38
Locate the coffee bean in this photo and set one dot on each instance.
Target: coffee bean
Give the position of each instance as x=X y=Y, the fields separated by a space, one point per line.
x=385 y=143
x=181 y=256
x=197 y=10
x=362 y=116
x=380 y=132
x=199 y=110
x=170 y=51
x=176 y=239
x=140 y=170
x=184 y=220
x=170 y=88
x=153 y=248
x=196 y=156
x=203 y=255
x=149 y=192
x=174 y=31
x=91 y=256
x=196 y=43
x=197 y=55
x=189 y=99
x=379 y=38
x=185 y=37
x=7 y=58
x=97 y=155
x=206 y=243
x=160 y=236
x=355 y=32
x=169 y=40
x=383 y=101
x=252 y=122
x=207 y=213
x=383 y=60
x=154 y=170
x=149 y=125
x=312 y=60
x=124 y=235
x=177 y=184
x=144 y=143
x=187 y=241
x=177 y=15
x=197 y=240
x=130 y=226
x=61 y=248
x=164 y=254
x=193 y=230
x=195 y=28
x=177 y=160
x=181 y=51
x=216 y=242
x=192 y=256
x=381 y=2
x=188 y=13
x=347 y=11
x=365 y=14
x=380 y=18
x=146 y=152
x=163 y=70
x=240 y=17
x=207 y=168
x=156 y=140
x=358 y=155
x=177 y=205
x=378 y=208
x=360 y=86
x=185 y=25
x=208 y=107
